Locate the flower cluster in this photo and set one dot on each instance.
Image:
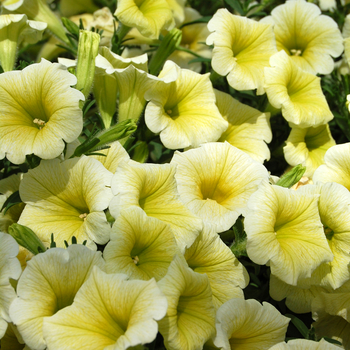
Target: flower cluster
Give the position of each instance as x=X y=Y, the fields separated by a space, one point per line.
x=173 y=182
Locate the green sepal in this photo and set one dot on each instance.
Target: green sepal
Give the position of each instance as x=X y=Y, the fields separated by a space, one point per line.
x=292 y=177
x=12 y=200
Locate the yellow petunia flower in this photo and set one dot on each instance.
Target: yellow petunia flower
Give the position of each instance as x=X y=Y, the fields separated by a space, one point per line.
x=190 y=319
x=248 y=325
x=216 y=180
x=13 y=29
x=242 y=48
x=10 y=268
x=193 y=38
x=69 y=198
x=48 y=284
x=336 y=167
x=142 y=247
x=148 y=16
x=308 y=146
x=211 y=256
x=113 y=155
x=184 y=111
x=108 y=312
x=296 y=92
x=308 y=37
x=284 y=230
x=39 y=111
x=333 y=205
x=152 y=187
x=304 y=344
x=249 y=129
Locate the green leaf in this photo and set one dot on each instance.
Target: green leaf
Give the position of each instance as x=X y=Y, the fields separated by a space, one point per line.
x=236 y=5
x=299 y=324
x=204 y=19
x=291 y=177
x=71 y=27
x=140 y=152
x=11 y=201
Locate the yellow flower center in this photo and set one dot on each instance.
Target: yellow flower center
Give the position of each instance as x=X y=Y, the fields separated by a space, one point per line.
x=83 y=216
x=135 y=259
x=328 y=232
x=39 y=122
x=295 y=52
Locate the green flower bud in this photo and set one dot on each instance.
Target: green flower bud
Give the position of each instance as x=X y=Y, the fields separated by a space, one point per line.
x=26 y=238
x=166 y=48
x=87 y=51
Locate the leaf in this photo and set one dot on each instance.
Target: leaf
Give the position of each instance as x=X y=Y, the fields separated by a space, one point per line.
x=11 y=201
x=205 y=19
x=236 y=5
x=300 y=325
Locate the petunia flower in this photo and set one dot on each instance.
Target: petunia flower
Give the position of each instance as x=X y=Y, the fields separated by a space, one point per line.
x=69 y=197
x=216 y=180
x=40 y=111
x=284 y=230
x=193 y=38
x=333 y=204
x=13 y=29
x=141 y=247
x=148 y=16
x=331 y=312
x=70 y=8
x=48 y=284
x=8 y=186
x=246 y=324
x=113 y=155
x=37 y=10
x=126 y=78
x=242 y=48
x=308 y=146
x=152 y=187
x=336 y=167
x=184 y=111
x=309 y=38
x=209 y=255
x=249 y=129
x=298 y=298
x=305 y=344
x=296 y=92
x=10 y=268
x=12 y=340
x=108 y=312
x=190 y=318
